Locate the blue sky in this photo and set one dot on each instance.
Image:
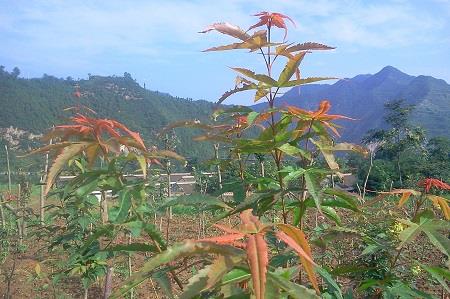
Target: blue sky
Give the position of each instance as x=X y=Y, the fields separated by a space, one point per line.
x=157 y=41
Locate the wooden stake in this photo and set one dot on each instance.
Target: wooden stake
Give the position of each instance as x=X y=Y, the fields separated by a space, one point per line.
x=8 y=168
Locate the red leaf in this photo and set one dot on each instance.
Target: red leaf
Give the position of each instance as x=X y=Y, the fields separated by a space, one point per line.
x=272 y=18
x=257 y=255
x=226 y=239
x=296 y=239
x=428 y=183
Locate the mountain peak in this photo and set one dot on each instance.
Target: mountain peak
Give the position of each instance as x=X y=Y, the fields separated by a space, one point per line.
x=389 y=75
x=391 y=71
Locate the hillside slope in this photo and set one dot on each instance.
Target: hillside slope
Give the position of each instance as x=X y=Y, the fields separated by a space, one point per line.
x=34 y=105
x=363 y=97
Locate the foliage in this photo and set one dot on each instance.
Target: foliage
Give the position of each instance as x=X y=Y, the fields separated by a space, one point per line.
x=293 y=222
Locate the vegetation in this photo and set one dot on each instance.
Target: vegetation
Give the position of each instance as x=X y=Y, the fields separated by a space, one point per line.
x=287 y=231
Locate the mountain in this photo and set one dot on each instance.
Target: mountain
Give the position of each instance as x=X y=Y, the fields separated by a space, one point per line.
x=363 y=97
x=29 y=107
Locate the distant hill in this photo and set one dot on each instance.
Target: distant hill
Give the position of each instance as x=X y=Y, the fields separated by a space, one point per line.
x=31 y=106
x=362 y=97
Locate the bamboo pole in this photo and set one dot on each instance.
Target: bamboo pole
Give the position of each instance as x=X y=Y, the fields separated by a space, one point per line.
x=216 y=156
x=42 y=195
x=8 y=168
x=104 y=207
x=19 y=225
x=130 y=266
x=2 y=212
x=108 y=282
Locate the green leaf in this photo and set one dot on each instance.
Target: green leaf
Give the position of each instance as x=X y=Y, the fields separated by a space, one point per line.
x=294 y=151
x=332 y=285
x=88 y=186
x=154 y=234
x=188 y=248
x=164 y=282
x=196 y=200
x=440 y=274
x=67 y=153
x=331 y=214
x=298 y=82
x=135 y=227
x=432 y=228
x=140 y=247
x=209 y=276
x=312 y=181
x=105 y=230
x=124 y=206
x=404 y=291
x=259 y=77
x=294 y=174
x=341 y=199
x=235 y=276
x=251 y=117
x=290 y=68
x=294 y=290
x=324 y=146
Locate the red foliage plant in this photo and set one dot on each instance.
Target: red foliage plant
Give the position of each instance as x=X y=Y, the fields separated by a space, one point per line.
x=272 y=18
x=319 y=115
x=428 y=183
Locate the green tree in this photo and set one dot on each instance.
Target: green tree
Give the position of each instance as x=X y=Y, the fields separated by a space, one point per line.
x=400 y=136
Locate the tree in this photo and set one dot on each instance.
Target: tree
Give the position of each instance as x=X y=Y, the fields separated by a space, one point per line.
x=15 y=72
x=400 y=136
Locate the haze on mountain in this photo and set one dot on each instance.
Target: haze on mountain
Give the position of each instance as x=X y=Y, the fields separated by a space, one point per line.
x=363 y=97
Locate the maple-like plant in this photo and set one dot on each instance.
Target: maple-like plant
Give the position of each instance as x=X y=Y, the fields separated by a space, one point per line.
x=98 y=152
x=250 y=260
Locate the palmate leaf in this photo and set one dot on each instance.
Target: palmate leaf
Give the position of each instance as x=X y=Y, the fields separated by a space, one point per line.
x=258 y=259
x=432 y=228
x=208 y=277
x=67 y=153
x=301 y=246
x=259 y=77
x=187 y=248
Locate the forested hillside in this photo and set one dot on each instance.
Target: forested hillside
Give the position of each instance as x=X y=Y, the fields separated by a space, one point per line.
x=34 y=105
